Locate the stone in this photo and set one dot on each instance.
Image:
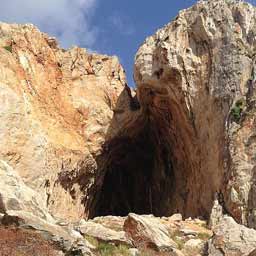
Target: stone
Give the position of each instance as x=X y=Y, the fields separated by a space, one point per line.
x=175 y=217
x=102 y=233
x=24 y=208
x=64 y=238
x=70 y=116
x=216 y=214
x=192 y=76
x=134 y=252
x=230 y=238
x=15 y=195
x=112 y=222
x=56 y=111
x=148 y=232
x=196 y=246
x=189 y=232
x=77 y=143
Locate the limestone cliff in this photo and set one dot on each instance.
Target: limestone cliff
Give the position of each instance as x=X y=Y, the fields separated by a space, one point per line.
x=193 y=139
x=77 y=143
x=56 y=108
x=197 y=75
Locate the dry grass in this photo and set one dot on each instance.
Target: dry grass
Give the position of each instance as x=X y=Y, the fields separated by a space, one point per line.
x=107 y=249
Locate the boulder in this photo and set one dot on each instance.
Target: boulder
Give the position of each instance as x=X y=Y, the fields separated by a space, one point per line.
x=216 y=214
x=113 y=222
x=102 y=233
x=15 y=195
x=148 y=232
x=175 y=217
x=194 y=247
x=230 y=238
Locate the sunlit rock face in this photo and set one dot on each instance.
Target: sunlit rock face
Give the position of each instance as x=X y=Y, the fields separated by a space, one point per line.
x=56 y=110
x=77 y=143
x=73 y=131
x=196 y=76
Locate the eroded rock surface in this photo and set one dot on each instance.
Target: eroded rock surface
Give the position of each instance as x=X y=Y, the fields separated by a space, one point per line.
x=77 y=143
x=56 y=111
x=196 y=77
x=230 y=238
x=149 y=232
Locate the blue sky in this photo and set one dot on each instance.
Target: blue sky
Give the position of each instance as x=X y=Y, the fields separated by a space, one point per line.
x=124 y=25
x=110 y=27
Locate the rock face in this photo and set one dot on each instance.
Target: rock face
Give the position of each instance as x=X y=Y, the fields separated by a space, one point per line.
x=191 y=138
x=56 y=110
x=16 y=196
x=196 y=77
x=77 y=143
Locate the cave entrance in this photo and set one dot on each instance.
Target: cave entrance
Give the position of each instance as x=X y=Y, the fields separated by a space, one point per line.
x=163 y=160
x=139 y=175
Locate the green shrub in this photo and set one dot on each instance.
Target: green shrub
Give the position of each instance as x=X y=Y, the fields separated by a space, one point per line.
x=203 y=225
x=123 y=250
x=93 y=241
x=176 y=237
x=107 y=249
x=180 y=243
x=8 y=48
x=237 y=110
x=204 y=236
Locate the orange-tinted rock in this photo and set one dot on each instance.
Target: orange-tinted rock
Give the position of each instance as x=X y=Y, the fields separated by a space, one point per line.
x=56 y=109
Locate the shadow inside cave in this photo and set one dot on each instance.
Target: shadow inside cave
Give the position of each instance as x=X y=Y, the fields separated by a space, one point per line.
x=155 y=159
x=138 y=172
x=131 y=183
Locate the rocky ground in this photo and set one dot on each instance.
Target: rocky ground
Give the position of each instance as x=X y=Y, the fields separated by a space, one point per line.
x=21 y=242
x=133 y=235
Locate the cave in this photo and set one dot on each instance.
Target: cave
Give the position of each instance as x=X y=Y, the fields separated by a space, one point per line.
x=143 y=165
x=139 y=175
x=161 y=162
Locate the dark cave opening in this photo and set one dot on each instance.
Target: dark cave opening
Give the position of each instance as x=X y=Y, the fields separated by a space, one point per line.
x=160 y=161
x=139 y=175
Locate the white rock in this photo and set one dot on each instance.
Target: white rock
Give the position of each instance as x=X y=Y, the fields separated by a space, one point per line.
x=197 y=244
x=146 y=231
x=102 y=233
x=175 y=217
x=134 y=252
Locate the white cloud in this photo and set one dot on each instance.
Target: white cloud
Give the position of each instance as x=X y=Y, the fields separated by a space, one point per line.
x=122 y=24
x=68 y=20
